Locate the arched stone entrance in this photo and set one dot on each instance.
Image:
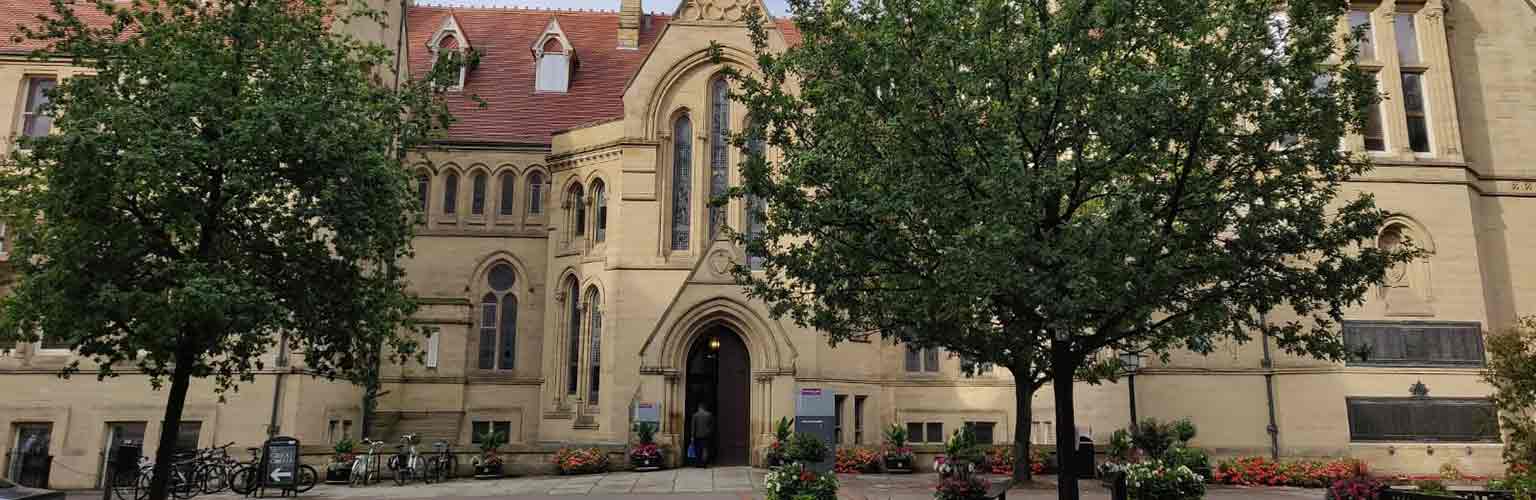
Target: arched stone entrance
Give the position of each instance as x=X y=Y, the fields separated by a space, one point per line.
x=717 y=378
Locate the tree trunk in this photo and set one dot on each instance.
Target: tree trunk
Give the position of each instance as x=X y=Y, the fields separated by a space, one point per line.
x=1023 y=411
x=170 y=427
x=1062 y=369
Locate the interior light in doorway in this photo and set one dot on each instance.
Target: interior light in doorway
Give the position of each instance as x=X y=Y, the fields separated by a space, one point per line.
x=714 y=343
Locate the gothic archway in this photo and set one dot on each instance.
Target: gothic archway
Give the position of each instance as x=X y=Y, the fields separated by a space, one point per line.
x=717 y=391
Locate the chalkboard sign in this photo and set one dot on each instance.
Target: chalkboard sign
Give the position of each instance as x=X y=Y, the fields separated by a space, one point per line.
x=282 y=467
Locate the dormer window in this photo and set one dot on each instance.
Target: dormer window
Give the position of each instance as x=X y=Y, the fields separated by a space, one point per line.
x=556 y=60
x=449 y=43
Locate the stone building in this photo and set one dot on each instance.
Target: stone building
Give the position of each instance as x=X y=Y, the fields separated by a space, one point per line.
x=569 y=267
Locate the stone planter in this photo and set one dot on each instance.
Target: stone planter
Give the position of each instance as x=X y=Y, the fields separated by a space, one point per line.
x=338 y=475
x=897 y=465
x=489 y=471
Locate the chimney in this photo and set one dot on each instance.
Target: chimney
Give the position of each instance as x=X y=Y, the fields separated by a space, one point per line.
x=629 y=24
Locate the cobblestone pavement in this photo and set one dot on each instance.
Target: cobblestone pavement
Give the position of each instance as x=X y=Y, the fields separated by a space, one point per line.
x=720 y=483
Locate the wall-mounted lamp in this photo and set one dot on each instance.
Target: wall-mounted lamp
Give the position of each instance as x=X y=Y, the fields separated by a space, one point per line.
x=714 y=343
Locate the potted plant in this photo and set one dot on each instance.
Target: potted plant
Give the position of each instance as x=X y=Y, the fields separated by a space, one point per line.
x=340 y=469
x=489 y=465
x=645 y=456
x=898 y=457
x=775 y=455
x=961 y=455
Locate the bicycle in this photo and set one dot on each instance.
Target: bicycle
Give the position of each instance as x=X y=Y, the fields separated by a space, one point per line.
x=182 y=482
x=365 y=467
x=248 y=479
x=442 y=464
x=407 y=464
x=215 y=467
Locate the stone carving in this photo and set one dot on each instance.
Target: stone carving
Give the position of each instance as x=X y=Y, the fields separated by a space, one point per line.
x=714 y=10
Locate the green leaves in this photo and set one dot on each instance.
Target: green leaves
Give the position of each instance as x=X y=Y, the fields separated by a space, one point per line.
x=984 y=175
x=230 y=171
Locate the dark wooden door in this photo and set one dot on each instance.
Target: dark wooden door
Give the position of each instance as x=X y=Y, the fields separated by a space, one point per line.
x=732 y=392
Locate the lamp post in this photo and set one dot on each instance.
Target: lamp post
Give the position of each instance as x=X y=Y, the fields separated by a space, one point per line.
x=1131 y=362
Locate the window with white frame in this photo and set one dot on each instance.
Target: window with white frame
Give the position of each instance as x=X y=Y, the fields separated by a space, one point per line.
x=556 y=59
x=35 y=122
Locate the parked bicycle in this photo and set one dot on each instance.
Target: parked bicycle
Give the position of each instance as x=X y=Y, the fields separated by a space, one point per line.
x=442 y=464
x=365 y=466
x=214 y=468
x=407 y=464
x=248 y=478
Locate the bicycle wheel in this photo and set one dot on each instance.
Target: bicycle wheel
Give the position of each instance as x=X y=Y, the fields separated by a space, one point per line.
x=308 y=476
x=213 y=477
x=243 y=480
x=183 y=486
x=429 y=475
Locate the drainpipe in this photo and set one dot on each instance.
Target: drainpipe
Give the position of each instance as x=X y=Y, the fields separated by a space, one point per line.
x=1269 y=396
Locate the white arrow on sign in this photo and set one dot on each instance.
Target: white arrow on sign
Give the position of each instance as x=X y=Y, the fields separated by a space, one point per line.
x=279 y=474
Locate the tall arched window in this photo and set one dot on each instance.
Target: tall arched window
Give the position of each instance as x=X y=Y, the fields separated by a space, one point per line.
x=600 y=205
x=508 y=183
x=576 y=204
x=451 y=194
x=423 y=190
x=595 y=333
x=682 y=181
x=477 y=200
x=573 y=336
x=756 y=210
x=535 y=193
x=498 y=320
x=719 y=152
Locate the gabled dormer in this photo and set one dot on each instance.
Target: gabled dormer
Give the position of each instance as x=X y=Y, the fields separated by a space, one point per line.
x=450 y=41
x=555 y=60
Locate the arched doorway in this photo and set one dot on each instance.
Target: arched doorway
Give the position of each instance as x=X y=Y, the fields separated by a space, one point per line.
x=718 y=377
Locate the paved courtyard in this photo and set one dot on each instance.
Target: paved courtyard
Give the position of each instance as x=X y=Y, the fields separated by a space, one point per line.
x=720 y=483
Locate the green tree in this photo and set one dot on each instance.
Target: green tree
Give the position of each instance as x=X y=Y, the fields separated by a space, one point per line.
x=228 y=178
x=1033 y=182
x=1512 y=373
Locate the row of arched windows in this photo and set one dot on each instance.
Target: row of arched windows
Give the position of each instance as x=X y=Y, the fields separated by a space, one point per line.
x=578 y=203
x=682 y=203
x=480 y=193
x=583 y=326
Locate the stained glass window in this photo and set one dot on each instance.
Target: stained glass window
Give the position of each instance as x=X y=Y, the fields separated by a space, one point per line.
x=719 y=152
x=682 y=181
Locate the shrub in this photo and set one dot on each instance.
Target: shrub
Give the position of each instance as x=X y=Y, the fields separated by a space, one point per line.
x=581 y=460
x=960 y=488
x=1154 y=437
x=1512 y=373
x=1120 y=444
x=795 y=482
x=962 y=448
x=1184 y=431
x=1356 y=488
x=1194 y=458
x=896 y=435
x=1520 y=484
x=805 y=448
x=853 y=460
x=1155 y=480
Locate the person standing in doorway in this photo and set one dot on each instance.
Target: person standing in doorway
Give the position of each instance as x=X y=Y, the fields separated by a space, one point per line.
x=703 y=432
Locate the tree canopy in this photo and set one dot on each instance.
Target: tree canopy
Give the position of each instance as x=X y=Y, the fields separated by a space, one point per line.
x=999 y=177
x=225 y=175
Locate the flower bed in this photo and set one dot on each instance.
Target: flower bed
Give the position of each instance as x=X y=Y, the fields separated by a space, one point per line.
x=960 y=488
x=1000 y=460
x=1260 y=471
x=581 y=460
x=1154 y=480
x=796 y=482
x=856 y=460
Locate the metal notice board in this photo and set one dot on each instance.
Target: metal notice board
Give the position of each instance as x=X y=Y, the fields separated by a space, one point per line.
x=282 y=463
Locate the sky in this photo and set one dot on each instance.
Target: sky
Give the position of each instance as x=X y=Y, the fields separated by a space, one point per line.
x=778 y=7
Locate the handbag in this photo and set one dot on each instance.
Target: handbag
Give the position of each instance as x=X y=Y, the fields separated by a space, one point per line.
x=693 y=451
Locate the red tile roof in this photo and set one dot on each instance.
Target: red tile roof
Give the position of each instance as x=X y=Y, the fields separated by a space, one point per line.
x=505 y=76
x=25 y=12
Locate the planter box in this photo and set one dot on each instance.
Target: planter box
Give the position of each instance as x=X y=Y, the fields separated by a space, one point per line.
x=643 y=464
x=489 y=472
x=898 y=465
x=341 y=475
